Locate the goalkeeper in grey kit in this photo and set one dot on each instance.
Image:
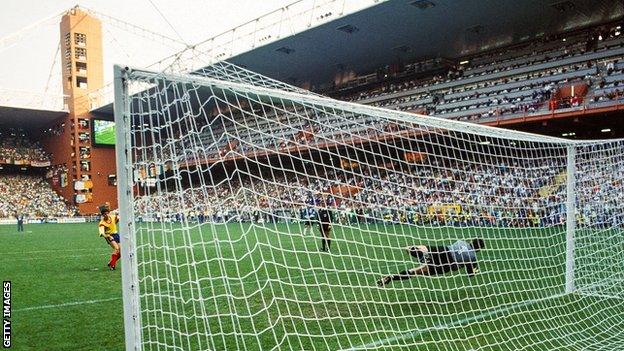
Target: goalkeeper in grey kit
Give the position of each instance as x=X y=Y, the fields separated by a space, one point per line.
x=438 y=260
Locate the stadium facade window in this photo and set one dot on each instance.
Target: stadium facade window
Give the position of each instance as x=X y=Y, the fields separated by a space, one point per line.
x=112 y=179
x=81 y=82
x=80 y=39
x=84 y=136
x=67 y=41
x=80 y=54
x=81 y=67
x=83 y=123
x=85 y=152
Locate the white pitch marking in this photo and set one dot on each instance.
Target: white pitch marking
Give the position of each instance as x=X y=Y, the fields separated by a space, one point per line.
x=41 y=251
x=67 y=304
x=43 y=258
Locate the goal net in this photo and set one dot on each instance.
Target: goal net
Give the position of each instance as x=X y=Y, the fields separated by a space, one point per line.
x=258 y=216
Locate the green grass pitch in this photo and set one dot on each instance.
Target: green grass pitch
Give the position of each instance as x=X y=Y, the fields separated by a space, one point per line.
x=64 y=299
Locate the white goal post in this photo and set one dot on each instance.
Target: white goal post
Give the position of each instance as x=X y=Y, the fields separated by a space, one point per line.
x=258 y=216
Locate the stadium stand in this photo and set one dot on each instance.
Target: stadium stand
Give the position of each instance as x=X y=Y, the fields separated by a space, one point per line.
x=518 y=80
x=578 y=71
x=17 y=148
x=32 y=196
x=503 y=83
x=515 y=81
x=26 y=192
x=513 y=199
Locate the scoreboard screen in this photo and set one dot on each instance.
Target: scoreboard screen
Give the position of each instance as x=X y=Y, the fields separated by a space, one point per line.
x=103 y=132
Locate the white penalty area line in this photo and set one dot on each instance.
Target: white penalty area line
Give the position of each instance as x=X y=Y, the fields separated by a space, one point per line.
x=67 y=304
x=45 y=258
x=42 y=251
x=443 y=326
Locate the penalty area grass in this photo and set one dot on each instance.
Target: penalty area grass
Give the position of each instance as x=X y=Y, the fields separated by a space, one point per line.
x=268 y=287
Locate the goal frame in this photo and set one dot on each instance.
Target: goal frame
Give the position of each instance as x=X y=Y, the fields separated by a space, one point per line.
x=122 y=75
x=570 y=217
x=129 y=270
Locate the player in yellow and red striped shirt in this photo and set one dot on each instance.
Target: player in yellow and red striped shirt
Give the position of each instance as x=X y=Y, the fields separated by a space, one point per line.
x=107 y=228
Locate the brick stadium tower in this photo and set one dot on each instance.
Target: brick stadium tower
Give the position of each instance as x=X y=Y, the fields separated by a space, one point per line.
x=84 y=173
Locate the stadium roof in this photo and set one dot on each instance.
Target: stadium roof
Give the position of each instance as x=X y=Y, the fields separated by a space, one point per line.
x=406 y=30
x=30 y=110
x=409 y=30
x=28 y=119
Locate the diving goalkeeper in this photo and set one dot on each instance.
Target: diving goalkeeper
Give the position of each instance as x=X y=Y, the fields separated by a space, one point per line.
x=438 y=260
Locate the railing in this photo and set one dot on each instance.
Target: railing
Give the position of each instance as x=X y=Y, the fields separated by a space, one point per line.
x=564 y=107
x=33 y=100
x=281 y=23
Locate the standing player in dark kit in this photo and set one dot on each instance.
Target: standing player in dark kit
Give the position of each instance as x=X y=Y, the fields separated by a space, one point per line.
x=325 y=220
x=438 y=260
x=20 y=222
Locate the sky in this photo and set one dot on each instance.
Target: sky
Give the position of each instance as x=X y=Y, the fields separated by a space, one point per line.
x=28 y=64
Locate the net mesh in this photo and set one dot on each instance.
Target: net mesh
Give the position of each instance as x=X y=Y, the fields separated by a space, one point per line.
x=232 y=174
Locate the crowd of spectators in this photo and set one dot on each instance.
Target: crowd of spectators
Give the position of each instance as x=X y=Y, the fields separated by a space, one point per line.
x=503 y=83
x=509 y=192
x=600 y=178
x=30 y=196
x=272 y=130
x=16 y=146
x=494 y=85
